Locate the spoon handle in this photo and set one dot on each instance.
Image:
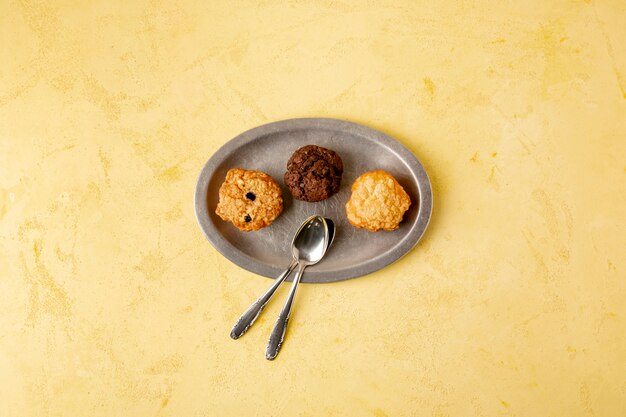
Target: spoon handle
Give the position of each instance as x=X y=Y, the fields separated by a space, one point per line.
x=278 y=333
x=248 y=318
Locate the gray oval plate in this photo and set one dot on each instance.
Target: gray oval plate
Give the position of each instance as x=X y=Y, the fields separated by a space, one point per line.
x=355 y=252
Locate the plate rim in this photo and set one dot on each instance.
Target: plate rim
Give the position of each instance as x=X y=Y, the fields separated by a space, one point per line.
x=239 y=258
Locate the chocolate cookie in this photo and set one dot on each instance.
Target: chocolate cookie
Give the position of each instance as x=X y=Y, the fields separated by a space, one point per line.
x=249 y=199
x=377 y=202
x=313 y=173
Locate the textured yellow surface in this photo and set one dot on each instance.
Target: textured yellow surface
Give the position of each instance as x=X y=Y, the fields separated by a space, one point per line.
x=113 y=304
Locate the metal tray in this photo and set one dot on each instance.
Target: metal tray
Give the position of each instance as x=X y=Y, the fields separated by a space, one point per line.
x=355 y=252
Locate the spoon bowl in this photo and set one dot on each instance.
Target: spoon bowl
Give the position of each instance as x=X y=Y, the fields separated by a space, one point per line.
x=310 y=243
x=331 y=231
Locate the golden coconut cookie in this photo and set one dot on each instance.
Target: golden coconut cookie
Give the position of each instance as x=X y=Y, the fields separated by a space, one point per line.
x=377 y=202
x=250 y=200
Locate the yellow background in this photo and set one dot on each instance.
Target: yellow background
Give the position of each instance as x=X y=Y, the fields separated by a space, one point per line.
x=112 y=303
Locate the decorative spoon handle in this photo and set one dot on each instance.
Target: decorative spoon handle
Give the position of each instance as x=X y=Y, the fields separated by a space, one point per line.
x=248 y=318
x=278 y=333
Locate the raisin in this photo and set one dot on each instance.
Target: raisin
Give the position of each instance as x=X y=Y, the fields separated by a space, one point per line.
x=250 y=196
